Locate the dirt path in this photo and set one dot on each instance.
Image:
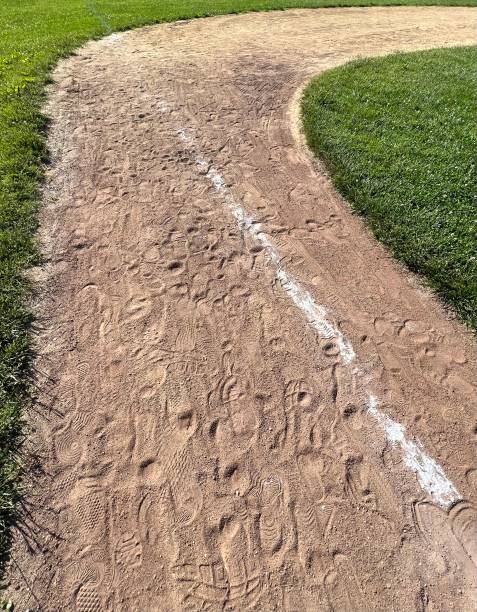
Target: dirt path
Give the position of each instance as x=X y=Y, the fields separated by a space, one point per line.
x=218 y=422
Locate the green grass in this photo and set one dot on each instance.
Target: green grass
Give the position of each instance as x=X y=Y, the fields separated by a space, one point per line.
x=34 y=35
x=399 y=137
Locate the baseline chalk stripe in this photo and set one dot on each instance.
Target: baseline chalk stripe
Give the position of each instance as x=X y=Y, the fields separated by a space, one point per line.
x=315 y=314
x=430 y=475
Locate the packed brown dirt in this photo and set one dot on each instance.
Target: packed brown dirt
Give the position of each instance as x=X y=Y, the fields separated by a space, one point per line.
x=201 y=446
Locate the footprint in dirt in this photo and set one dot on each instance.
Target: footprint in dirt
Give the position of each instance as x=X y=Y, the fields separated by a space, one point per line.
x=342 y=586
x=453 y=533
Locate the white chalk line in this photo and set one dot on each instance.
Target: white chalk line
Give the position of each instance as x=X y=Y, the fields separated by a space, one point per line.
x=430 y=474
x=315 y=314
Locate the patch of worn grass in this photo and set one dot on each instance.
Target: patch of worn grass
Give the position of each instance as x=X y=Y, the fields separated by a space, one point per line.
x=399 y=137
x=34 y=35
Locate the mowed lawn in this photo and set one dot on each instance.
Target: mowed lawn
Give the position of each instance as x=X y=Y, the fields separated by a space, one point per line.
x=399 y=137
x=34 y=34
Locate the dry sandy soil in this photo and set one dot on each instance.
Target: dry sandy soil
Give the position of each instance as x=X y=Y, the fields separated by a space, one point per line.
x=219 y=401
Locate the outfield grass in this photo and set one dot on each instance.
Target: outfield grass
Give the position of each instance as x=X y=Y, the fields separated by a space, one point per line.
x=34 y=34
x=399 y=137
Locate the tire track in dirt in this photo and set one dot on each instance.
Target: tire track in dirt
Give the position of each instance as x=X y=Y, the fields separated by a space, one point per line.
x=205 y=448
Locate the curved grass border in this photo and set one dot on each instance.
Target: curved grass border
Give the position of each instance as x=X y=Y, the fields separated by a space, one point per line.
x=34 y=36
x=399 y=137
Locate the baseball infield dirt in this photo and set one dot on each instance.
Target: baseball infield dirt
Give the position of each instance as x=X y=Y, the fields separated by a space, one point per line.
x=243 y=402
